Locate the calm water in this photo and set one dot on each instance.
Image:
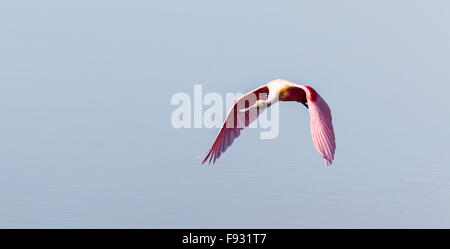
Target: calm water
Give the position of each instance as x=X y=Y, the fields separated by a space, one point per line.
x=86 y=139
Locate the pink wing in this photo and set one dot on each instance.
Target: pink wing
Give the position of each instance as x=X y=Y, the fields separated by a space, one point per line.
x=235 y=122
x=321 y=127
x=320 y=119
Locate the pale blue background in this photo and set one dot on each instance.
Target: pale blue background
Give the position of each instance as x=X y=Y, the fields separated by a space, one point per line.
x=86 y=139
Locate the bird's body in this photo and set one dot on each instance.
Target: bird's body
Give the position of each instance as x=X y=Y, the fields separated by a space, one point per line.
x=247 y=108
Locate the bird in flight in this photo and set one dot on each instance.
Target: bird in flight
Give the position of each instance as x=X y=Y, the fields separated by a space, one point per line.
x=247 y=108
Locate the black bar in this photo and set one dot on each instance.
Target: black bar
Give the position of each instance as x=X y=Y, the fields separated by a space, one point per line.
x=220 y=238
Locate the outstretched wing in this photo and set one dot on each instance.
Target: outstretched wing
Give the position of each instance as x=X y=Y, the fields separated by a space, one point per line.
x=322 y=129
x=236 y=121
x=320 y=119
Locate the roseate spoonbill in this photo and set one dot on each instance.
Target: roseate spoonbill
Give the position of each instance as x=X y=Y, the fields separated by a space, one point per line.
x=247 y=108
